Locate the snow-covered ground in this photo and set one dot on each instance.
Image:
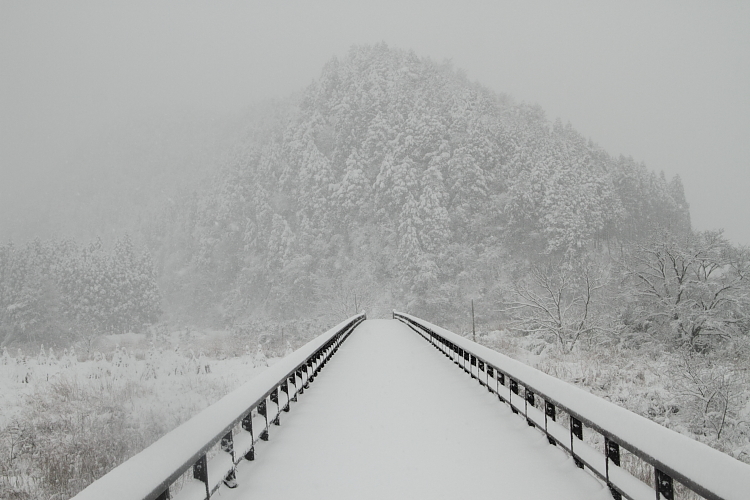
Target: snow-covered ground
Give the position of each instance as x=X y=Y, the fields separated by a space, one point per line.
x=389 y=417
x=64 y=420
x=67 y=418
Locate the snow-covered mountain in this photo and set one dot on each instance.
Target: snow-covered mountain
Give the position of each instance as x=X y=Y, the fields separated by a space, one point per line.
x=399 y=180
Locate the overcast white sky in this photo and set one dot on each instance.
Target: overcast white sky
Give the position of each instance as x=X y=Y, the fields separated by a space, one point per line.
x=667 y=82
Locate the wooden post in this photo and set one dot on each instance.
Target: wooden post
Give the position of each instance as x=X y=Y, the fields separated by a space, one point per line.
x=473 y=330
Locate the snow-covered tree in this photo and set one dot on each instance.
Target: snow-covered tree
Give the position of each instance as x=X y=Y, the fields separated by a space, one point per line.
x=260 y=357
x=693 y=288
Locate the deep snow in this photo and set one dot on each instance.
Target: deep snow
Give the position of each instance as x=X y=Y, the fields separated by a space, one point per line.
x=389 y=417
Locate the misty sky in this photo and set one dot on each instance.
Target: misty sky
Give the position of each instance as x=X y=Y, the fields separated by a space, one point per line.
x=667 y=82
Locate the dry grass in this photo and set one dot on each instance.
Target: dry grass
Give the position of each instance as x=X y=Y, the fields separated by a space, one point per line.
x=77 y=423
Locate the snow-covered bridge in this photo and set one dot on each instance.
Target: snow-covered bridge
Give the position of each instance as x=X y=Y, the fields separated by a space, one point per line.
x=392 y=418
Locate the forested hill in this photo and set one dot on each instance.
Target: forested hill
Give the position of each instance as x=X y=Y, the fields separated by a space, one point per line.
x=398 y=182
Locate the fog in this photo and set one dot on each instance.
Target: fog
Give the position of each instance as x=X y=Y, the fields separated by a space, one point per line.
x=666 y=84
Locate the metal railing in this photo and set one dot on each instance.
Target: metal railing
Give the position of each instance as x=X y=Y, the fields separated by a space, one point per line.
x=258 y=403
x=539 y=397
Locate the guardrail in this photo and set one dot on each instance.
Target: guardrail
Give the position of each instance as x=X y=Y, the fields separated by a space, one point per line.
x=674 y=457
x=150 y=474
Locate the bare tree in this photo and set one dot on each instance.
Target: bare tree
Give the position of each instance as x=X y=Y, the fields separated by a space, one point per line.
x=346 y=295
x=559 y=300
x=711 y=393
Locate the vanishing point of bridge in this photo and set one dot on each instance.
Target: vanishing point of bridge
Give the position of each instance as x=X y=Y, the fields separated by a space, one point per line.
x=392 y=418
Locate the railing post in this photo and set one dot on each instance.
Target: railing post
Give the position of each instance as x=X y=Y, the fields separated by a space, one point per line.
x=529 y=400
x=500 y=382
x=576 y=430
x=550 y=412
x=513 y=390
x=165 y=495
x=663 y=485
x=200 y=472
x=293 y=380
x=227 y=445
x=473 y=363
x=262 y=410
x=490 y=375
x=612 y=454
x=285 y=390
x=275 y=399
x=247 y=424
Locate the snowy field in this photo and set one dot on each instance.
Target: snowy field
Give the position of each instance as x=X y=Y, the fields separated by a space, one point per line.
x=68 y=417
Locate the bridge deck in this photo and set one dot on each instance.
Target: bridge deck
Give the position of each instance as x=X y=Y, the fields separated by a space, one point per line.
x=390 y=417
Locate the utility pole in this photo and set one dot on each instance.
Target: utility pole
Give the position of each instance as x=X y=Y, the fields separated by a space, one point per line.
x=473 y=330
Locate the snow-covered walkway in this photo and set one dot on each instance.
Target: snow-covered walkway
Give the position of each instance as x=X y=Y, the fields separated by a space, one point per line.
x=390 y=417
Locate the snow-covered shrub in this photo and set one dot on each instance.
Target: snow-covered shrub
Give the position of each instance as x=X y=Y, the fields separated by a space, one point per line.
x=260 y=357
x=23 y=372
x=712 y=398
x=51 y=358
x=41 y=358
x=176 y=364
x=203 y=365
x=247 y=359
x=72 y=357
x=151 y=365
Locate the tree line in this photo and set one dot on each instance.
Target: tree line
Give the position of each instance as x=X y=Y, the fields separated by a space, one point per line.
x=60 y=290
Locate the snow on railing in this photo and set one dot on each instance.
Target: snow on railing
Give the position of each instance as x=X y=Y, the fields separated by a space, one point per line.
x=700 y=468
x=149 y=474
